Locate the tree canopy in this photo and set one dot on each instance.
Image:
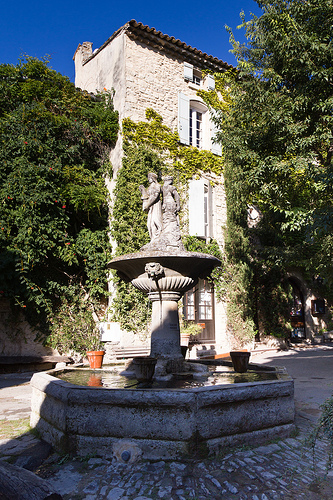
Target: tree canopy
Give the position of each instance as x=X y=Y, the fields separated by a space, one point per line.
x=54 y=154
x=276 y=126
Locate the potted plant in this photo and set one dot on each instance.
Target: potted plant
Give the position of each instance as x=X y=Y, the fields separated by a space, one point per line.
x=240 y=360
x=188 y=331
x=94 y=348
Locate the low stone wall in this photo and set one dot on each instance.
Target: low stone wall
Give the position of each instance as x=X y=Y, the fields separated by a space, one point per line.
x=160 y=423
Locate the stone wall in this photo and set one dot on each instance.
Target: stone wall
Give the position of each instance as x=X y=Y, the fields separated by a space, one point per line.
x=16 y=336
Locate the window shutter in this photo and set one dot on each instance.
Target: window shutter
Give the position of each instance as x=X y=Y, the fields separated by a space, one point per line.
x=210 y=82
x=216 y=148
x=188 y=71
x=196 y=208
x=184 y=118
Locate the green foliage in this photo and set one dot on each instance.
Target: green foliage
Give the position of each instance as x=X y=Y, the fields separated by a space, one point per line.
x=183 y=161
x=54 y=147
x=129 y=225
x=149 y=146
x=275 y=120
x=324 y=427
x=73 y=327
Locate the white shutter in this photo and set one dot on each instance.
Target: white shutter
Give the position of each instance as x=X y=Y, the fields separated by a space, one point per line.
x=210 y=82
x=196 y=208
x=215 y=148
x=184 y=118
x=188 y=71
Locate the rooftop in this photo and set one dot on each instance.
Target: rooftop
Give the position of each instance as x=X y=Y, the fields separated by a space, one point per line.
x=168 y=44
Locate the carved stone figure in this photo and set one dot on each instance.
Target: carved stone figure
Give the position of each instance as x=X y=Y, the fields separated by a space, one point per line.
x=151 y=203
x=163 y=224
x=170 y=209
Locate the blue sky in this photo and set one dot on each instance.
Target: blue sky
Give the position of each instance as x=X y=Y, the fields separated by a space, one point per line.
x=56 y=28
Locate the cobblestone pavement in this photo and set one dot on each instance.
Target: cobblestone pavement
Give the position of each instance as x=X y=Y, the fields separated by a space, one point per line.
x=285 y=469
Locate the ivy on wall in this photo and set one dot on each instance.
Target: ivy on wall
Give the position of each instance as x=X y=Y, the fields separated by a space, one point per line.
x=184 y=161
x=150 y=146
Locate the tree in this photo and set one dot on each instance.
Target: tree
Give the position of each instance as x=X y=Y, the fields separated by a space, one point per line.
x=276 y=128
x=54 y=147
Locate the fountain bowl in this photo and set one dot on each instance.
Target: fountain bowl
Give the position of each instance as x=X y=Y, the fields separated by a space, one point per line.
x=160 y=423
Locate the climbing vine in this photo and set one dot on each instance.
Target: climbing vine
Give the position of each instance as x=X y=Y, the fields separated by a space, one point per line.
x=150 y=146
x=183 y=161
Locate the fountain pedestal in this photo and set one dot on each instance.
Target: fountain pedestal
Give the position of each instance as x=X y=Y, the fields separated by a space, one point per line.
x=165 y=277
x=165 y=332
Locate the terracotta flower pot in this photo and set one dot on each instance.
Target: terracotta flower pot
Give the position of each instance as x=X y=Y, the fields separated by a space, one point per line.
x=184 y=339
x=240 y=360
x=144 y=367
x=95 y=359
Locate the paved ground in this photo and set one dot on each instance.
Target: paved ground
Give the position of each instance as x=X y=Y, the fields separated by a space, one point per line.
x=285 y=469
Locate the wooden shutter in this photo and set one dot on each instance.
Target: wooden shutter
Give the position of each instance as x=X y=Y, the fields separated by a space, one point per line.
x=188 y=71
x=184 y=118
x=210 y=82
x=196 y=208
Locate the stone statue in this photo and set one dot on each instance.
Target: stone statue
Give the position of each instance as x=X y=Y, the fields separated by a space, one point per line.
x=151 y=203
x=170 y=209
x=162 y=222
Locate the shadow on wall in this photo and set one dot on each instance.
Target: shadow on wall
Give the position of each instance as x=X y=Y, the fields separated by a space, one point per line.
x=16 y=336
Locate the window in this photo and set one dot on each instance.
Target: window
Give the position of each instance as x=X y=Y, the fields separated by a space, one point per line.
x=192 y=75
x=198 y=306
x=196 y=79
x=195 y=126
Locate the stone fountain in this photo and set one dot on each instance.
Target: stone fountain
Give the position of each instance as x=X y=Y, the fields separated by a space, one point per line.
x=159 y=422
x=164 y=271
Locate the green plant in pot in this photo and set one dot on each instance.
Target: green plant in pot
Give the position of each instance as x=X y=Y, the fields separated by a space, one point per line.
x=75 y=331
x=188 y=331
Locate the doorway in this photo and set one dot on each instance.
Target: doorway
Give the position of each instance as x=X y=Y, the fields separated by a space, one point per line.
x=198 y=306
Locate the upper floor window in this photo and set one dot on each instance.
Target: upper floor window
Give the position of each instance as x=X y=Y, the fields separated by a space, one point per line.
x=196 y=79
x=195 y=126
x=191 y=74
x=194 y=75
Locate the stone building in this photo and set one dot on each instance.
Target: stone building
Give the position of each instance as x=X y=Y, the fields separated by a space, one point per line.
x=148 y=69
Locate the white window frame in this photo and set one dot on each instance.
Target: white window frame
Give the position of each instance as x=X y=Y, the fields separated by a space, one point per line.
x=185 y=103
x=198 y=114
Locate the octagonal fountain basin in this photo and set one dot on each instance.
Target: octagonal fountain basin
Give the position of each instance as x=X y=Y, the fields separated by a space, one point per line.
x=160 y=422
